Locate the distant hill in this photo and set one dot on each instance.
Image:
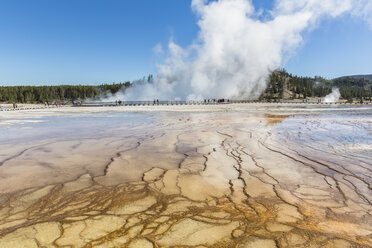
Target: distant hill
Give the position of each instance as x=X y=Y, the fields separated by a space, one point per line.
x=365 y=77
x=283 y=85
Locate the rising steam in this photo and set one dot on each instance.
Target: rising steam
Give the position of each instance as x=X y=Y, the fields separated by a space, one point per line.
x=334 y=96
x=237 y=48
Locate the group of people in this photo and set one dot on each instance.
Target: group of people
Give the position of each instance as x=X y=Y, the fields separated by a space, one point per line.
x=53 y=103
x=214 y=100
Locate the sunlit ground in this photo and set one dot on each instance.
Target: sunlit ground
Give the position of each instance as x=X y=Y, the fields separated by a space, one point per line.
x=230 y=176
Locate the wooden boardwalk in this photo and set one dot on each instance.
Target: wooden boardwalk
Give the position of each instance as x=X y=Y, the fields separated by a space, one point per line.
x=167 y=103
x=152 y=103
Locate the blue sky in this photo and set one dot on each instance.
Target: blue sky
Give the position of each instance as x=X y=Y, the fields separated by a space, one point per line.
x=104 y=41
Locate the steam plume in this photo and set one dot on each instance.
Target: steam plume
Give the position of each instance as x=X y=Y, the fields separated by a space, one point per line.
x=237 y=48
x=333 y=96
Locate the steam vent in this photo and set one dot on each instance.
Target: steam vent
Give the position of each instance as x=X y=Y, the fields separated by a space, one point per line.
x=238 y=175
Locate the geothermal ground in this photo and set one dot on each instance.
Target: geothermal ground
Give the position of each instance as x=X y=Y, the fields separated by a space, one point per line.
x=239 y=175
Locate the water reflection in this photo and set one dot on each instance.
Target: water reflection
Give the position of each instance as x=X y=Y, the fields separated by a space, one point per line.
x=273 y=120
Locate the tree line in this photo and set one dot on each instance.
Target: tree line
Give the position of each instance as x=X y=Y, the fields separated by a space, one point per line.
x=281 y=85
x=67 y=93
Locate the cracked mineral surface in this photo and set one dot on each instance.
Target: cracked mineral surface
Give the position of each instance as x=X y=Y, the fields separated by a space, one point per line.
x=227 y=176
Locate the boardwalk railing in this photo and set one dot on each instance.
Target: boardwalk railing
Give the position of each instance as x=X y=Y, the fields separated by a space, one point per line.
x=151 y=103
x=154 y=103
x=29 y=108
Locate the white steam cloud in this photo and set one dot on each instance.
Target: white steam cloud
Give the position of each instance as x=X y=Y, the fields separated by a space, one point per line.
x=333 y=96
x=237 y=48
